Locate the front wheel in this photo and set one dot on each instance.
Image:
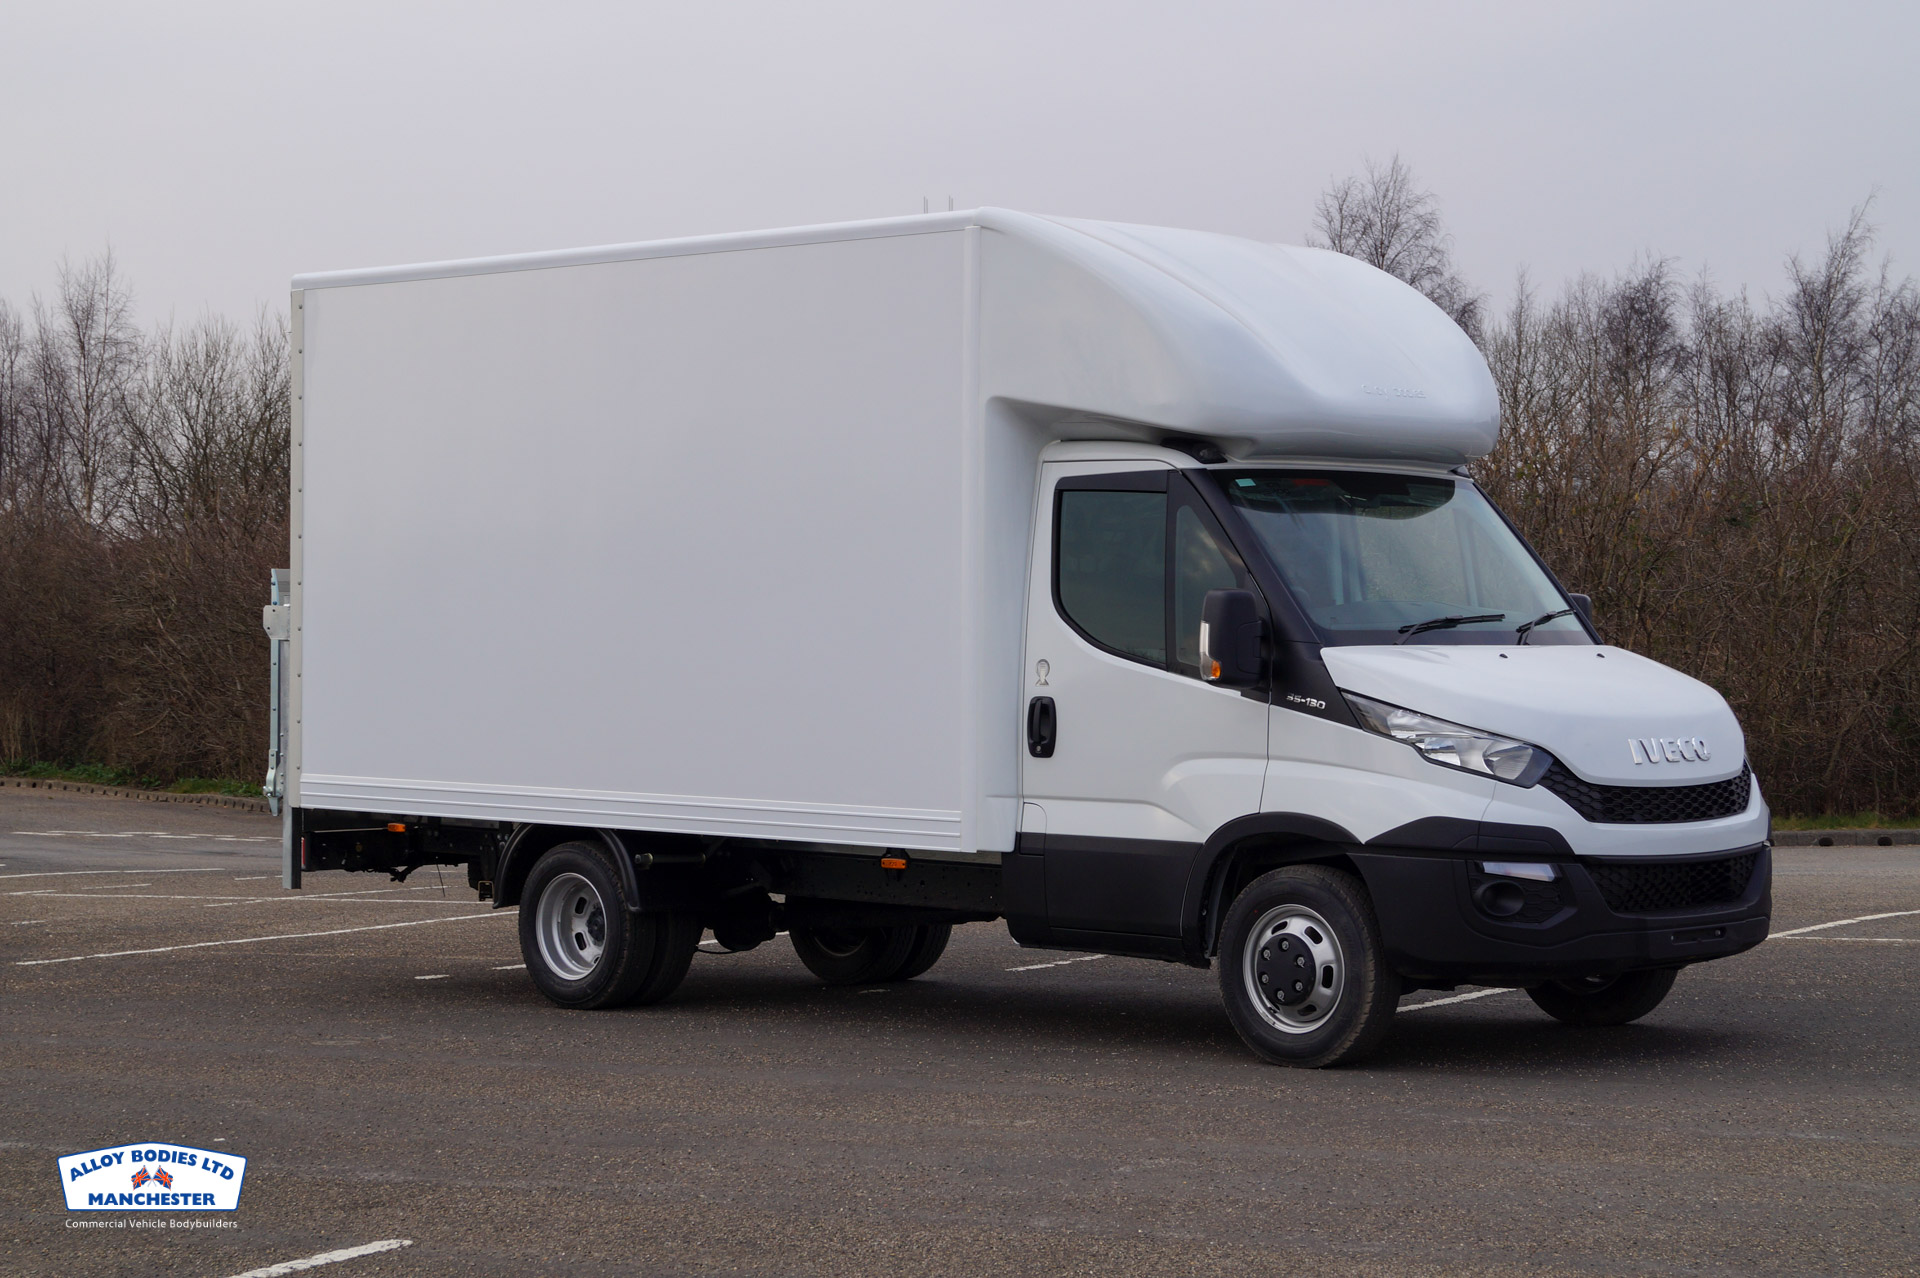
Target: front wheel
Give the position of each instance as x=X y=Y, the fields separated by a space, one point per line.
x=1604 y=1000
x=1302 y=970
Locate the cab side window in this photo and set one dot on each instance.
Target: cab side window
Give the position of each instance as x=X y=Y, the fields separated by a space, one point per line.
x=1110 y=570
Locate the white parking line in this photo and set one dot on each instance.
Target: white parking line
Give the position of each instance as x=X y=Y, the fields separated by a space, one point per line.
x=1869 y=940
x=66 y=874
x=115 y=891
x=1034 y=967
x=147 y=834
x=63 y=834
x=342 y=898
x=286 y=1267
x=1457 y=998
x=510 y=967
x=374 y=897
x=437 y=976
x=249 y=940
x=24 y=922
x=1864 y=918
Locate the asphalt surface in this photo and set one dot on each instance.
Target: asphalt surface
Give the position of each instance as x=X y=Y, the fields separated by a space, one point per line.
x=993 y=1117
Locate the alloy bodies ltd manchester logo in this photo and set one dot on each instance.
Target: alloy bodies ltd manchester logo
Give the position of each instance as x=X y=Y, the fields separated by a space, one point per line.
x=152 y=1177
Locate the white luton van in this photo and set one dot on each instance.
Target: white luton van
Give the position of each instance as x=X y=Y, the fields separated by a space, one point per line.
x=857 y=581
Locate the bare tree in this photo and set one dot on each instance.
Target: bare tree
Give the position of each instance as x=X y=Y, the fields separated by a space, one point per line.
x=143 y=490
x=207 y=491
x=1386 y=220
x=86 y=357
x=13 y=367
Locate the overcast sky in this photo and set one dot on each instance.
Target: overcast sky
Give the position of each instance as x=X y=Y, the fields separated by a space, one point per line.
x=220 y=148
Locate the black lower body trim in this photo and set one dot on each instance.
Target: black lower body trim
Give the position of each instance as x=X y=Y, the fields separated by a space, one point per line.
x=1435 y=921
x=1128 y=886
x=1110 y=896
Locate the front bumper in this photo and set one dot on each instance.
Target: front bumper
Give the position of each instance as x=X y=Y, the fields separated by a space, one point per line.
x=1435 y=930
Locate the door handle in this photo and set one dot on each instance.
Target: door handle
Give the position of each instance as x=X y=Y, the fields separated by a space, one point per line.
x=1042 y=727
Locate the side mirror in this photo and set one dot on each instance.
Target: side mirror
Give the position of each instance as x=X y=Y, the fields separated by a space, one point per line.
x=1230 y=639
x=1585 y=604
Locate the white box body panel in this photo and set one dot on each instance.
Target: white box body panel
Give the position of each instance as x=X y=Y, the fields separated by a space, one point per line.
x=669 y=543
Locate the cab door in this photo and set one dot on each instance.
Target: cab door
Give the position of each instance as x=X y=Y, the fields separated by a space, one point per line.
x=1132 y=761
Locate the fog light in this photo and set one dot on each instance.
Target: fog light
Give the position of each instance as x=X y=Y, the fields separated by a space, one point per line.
x=1500 y=898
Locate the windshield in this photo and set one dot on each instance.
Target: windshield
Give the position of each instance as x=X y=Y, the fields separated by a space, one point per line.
x=1367 y=554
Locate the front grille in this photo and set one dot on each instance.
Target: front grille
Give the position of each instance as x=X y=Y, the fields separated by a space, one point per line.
x=1650 y=804
x=1687 y=885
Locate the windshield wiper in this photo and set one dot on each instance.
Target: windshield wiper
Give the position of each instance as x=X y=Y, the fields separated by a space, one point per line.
x=1446 y=623
x=1541 y=620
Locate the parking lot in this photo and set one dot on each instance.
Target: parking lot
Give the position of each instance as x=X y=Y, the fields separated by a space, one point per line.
x=375 y=1052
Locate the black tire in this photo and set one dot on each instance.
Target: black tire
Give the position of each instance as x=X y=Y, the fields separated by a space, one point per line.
x=929 y=943
x=1322 y=921
x=1604 y=1000
x=600 y=954
x=676 y=940
x=855 y=955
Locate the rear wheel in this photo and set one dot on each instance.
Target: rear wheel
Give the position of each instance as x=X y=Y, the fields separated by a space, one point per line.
x=1302 y=969
x=584 y=947
x=1604 y=1000
x=676 y=940
x=930 y=942
x=858 y=955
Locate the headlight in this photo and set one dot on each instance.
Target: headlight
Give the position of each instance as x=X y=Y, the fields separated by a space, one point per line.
x=1452 y=746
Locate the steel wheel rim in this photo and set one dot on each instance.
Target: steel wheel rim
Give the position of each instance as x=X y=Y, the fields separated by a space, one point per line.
x=571 y=924
x=841 y=943
x=1308 y=936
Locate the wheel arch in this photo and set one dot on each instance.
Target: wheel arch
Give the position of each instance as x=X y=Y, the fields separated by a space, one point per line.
x=1245 y=848
x=528 y=843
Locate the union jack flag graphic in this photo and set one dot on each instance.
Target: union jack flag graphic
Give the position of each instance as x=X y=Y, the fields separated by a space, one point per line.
x=164 y=1176
x=140 y=1178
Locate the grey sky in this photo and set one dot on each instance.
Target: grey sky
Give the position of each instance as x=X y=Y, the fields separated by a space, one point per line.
x=220 y=148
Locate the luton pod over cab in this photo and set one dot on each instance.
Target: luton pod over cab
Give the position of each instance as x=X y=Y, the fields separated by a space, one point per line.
x=856 y=581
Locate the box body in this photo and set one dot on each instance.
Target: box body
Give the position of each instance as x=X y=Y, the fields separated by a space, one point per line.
x=672 y=542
